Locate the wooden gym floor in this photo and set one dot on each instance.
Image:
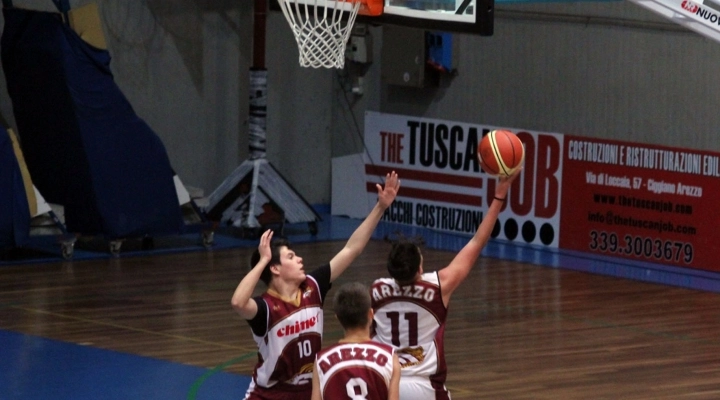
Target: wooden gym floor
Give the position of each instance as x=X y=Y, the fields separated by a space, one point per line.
x=160 y=326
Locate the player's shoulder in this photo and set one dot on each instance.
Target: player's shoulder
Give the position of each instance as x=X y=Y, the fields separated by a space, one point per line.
x=430 y=277
x=319 y=273
x=382 y=346
x=383 y=281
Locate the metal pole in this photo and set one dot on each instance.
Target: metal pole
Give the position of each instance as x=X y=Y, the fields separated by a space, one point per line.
x=258 y=85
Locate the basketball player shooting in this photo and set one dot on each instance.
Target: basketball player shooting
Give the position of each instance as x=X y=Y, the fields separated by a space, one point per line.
x=411 y=307
x=287 y=320
x=356 y=367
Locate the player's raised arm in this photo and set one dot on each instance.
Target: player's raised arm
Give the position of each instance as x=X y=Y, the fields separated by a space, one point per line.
x=459 y=268
x=241 y=299
x=359 y=238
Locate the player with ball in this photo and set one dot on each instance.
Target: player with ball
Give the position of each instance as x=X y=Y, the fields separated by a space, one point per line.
x=411 y=306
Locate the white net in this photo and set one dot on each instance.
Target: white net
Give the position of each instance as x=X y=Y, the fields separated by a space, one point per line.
x=321 y=29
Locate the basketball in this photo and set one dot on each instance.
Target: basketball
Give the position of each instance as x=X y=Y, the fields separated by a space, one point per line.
x=500 y=153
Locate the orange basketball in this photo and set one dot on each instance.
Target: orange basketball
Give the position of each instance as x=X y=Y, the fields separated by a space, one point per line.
x=500 y=152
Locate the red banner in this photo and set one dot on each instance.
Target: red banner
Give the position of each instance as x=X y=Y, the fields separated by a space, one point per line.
x=639 y=201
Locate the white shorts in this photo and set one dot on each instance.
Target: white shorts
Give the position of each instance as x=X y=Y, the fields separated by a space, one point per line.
x=419 y=388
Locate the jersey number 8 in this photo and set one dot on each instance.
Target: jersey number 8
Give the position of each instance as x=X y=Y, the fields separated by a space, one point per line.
x=357 y=389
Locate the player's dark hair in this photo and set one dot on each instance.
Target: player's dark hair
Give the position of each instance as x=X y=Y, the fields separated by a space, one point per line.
x=404 y=259
x=275 y=246
x=352 y=302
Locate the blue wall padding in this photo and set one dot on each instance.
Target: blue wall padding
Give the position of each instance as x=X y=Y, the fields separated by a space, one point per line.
x=85 y=147
x=14 y=208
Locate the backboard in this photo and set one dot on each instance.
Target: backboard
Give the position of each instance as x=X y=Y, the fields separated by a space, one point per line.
x=466 y=16
x=463 y=16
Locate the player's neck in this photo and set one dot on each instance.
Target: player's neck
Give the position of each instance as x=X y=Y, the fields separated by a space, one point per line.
x=355 y=336
x=284 y=290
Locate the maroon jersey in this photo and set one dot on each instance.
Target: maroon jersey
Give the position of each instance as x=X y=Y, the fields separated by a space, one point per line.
x=287 y=349
x=355 y=371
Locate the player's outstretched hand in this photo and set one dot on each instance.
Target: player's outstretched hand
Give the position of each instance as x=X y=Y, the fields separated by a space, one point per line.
x=386 y=195
x=264 y=246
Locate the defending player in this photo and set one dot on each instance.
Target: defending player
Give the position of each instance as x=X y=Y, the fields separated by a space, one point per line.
x=356 y=367
x=287 y=320
x=411 y=307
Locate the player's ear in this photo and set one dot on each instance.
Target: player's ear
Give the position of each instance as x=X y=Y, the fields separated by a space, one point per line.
x=275 y=269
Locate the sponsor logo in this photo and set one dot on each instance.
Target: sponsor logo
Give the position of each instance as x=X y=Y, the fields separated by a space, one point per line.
x=297 y=327
x=690 y=6
x=411 y=356
x=303 y=377
x=700 y=12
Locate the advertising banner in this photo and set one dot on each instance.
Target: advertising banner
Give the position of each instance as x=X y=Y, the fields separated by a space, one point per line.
x=702 y=16
x=622 y=199
x=640 y=201
x=443 y=187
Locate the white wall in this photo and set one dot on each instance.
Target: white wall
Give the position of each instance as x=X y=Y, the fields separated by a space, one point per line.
x=643 y=82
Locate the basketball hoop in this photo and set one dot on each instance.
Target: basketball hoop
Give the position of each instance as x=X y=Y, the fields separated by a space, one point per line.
x=322 y=29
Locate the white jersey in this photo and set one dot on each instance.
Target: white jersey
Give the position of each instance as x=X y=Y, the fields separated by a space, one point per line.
x=412 y=319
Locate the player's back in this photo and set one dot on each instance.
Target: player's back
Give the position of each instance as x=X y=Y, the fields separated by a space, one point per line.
x=355 y=370
x=412 y=319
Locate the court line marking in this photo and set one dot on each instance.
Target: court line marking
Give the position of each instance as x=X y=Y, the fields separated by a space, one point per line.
x=195 y=387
